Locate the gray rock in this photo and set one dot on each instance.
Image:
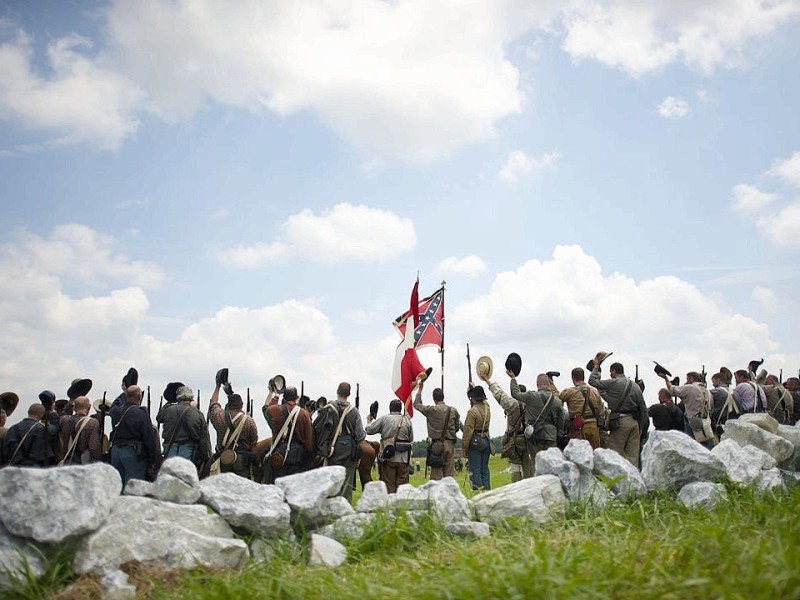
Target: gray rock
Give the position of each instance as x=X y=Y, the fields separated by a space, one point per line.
x=745 y=433
x=579 y=484
x=540 y=499
x=160 y=534
x=770 y=480
x=17 y=558
x=324 y=551
x=762 y=420
x=181 y=468
x=350 y=527
x=627 y=481
x=552 y=462
x=307 y=491
x=444 y=497
x=171 y=489
x=759 y=457
x=469 y=529
x=791 y=479
x=702 y=494
x=671 y=459
x=739 y=464
x=331 y=509
x=138 y=487
x=580 y=452
x=792 y=434
x=247 y=506
x=53 y=505
x=261 y=551
x=374 y=497
x=116 y=586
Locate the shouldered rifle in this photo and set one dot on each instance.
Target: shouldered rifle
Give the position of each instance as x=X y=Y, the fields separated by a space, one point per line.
x=249 y=405
x=636 y=375
x=148 y=400
x=780 y=376
x=703 y=374
x=358 y=396
x=469 y=365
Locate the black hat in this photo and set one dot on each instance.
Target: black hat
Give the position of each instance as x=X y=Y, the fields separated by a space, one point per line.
x=171 y=391
x=754 y=364
x=514 y=363
x=477 y=393
x=130 y=378
x=373 y=409
x=79 y=387
x=661 y=371
x=676 y=381
x=289 y=394
x=8 y=402
x=47 y=398
x=552 y=374
x=222 y=376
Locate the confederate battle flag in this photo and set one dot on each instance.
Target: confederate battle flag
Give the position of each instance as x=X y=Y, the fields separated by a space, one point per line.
x=427 y=329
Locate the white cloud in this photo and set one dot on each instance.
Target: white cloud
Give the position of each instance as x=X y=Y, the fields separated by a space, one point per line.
x=766 y=298
x=380 y=74
x=345 y=232
x=518 y=163
x=560 y=312
x=749 y=199
x=781 y=228
x=788 y=170
x=469 y=265
x=673 y=108
x=80 y=99
x=640 y=37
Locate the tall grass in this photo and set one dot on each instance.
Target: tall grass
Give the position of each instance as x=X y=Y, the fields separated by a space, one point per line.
x=652 y=548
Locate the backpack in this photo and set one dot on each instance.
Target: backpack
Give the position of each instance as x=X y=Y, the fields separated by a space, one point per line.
x=324 y=429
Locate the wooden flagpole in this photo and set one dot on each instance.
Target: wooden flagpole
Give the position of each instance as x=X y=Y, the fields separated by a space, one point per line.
x=441 y=350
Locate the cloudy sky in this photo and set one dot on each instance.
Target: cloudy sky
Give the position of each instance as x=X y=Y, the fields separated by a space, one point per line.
x=192 y=184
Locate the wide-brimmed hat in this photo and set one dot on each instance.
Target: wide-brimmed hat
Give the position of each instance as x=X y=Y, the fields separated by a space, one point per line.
x=373 y=409
x=101 y=405
x=79 y=387
x=170 y=392
x=222 y=376
x=477 y=393
x=514 y=363
x=8 y=402
x=598 y=359
x=661 y=370
x=61 y=403
x=130 y=378
x=484 y=367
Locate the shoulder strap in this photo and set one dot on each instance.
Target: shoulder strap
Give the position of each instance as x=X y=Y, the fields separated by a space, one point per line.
x=178 y=426
x=339 y=425
x=291 y=421
x=25 y=453
x=230 y=441
x=73 y=441
x=446 y=422
x=114 y=432
x=585 y=392
x=544 y=408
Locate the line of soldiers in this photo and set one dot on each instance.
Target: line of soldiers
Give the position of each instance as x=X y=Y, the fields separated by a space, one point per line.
x=611 y=412
x=63 y=432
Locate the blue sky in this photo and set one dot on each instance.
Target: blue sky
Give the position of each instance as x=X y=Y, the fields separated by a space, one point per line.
x=191 y=185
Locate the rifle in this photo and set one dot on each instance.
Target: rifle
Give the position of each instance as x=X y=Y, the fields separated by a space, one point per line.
x=780 y=376
x=148 y=401
x=158 y=424
x=358 y=398
x=302 y=388
x=636 y=376
x=703 y=374
x=249 y=406
x=469 y=365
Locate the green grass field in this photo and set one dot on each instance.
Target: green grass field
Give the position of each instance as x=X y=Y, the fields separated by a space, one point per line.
x=748 y=547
